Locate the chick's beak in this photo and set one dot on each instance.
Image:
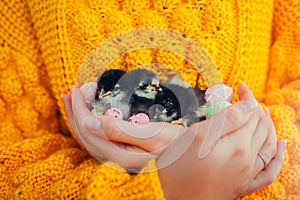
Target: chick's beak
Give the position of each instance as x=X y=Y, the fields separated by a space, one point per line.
x=101 y=96
x=155 y=86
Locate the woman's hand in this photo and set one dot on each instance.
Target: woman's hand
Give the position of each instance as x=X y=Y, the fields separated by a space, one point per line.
x=232 y=168
x=214 y=159
x=102 y=146
x=220 y=153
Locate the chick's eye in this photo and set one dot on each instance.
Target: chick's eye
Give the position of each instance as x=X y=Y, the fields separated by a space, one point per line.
x=144 y=85
x=169 y=105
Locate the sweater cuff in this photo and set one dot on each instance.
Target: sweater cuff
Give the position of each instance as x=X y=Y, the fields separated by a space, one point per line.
x=112 y=182
x=149 y=175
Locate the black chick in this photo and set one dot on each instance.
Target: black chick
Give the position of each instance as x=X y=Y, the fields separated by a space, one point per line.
x=107 y=92
x=106 y=82
x=166 y=107
x=201 y=111
x=181 y=103
x=142 y=86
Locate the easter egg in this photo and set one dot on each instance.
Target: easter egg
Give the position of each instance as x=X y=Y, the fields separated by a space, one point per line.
x=114 y=112
x=219 y=92
x=216 y=107
x=139 y=118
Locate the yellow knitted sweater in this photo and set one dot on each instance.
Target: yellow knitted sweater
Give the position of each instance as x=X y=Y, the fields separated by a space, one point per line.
x=44 y=42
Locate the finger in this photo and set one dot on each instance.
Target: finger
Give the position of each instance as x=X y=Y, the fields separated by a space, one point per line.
x=222 y=124
x=241 y=139
x=125 y=155
x=226 y=123
x=268 y=175
x=264 y=141
x=68 y=107
x=152 y=137
x=121 y=131
x=230 y=119
x=246 y=132
x=79 y=106
x=88 y=90
x=80 y=113
x=245 y=93
x=262 y=132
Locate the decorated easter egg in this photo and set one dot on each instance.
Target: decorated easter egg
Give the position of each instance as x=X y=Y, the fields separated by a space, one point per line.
x=219 y=92
x=114 y=112
x=216 y=107
x=139 y=118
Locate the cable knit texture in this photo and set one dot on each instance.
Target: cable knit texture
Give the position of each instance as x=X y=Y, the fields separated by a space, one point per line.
x=43 y=44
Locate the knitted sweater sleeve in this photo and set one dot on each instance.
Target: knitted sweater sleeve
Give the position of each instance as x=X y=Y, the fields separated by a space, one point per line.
x=43 y=44
x=282 y=97
x=37 y=160
x=283 y=90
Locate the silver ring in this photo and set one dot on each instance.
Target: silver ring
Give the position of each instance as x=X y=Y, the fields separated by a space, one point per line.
x=264 y=158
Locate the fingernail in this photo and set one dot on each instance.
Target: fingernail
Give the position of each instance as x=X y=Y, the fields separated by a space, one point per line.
x=267 y=111
x=91 y=123
x=284 y=144
x=244 y=84
x=247 y=106
x=63 y=99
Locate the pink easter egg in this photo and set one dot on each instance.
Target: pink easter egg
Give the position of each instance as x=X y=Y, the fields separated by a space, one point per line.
x=219 y=92
x=139 y=118
x=114 y=112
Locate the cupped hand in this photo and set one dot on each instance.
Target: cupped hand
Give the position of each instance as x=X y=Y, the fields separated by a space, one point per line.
x=230 y=167
x=217 y=154
x=90 y=132
x=217 y=158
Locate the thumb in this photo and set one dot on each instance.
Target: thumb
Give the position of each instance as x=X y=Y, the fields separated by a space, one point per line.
x=221 y=124
x=227 y=121
x=151 y=137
